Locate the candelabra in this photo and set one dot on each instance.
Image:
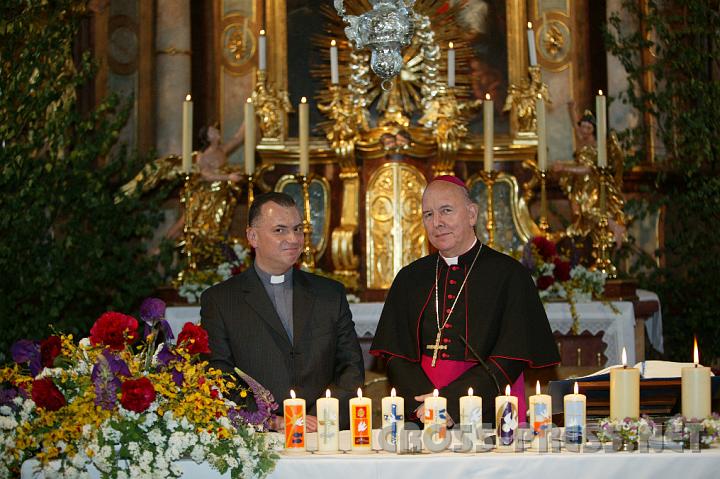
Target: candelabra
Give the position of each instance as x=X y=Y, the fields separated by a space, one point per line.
x=489 y=178
x=308 y=255
x=604 y=237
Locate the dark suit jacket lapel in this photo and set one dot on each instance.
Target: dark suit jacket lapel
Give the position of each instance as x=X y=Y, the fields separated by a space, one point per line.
x=257 y=298
x=303 y=302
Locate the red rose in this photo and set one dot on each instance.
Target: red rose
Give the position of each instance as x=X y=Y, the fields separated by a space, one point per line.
x=46 y=395
x=137 y=394
x=562 y=270
x=545 y=247
x=194 y=339
x=544 y=282
x=114 y=330
x=50 y=348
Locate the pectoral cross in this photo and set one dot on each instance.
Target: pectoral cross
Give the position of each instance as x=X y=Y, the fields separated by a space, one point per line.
x=436 y=347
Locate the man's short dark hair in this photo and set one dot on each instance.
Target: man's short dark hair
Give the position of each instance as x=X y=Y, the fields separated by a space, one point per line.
x=282 y=199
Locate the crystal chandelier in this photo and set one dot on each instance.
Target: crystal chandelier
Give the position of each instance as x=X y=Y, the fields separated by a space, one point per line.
x=385 y=30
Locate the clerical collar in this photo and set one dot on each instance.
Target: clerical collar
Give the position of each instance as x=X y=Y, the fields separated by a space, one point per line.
x=463 y=258
x=268 y=278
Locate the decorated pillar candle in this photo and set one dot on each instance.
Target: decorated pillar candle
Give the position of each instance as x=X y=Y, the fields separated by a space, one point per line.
x=506 y=421
x=451 y=65
x=436 y=415
x=696 y=389
x=187 y=122
x=574 y=406
x=488 y=132
x=624 y=391
x=540 y=418
x=249 y=137
x=262 y=51
x=471 y=415
x=328 y=430
x=601 y=111
x=304 y=130
x=334 y=75
x=294 y=414
x=542 y=133
x=532 y=52
x=360 y=423
x=393 y=420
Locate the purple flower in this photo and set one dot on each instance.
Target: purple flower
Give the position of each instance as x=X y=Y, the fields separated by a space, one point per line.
x=177 y=377
x=152 y=310
x=165 y=356
x=261 y=411
x=26 y=351
x=8 y=394
x=105 y=377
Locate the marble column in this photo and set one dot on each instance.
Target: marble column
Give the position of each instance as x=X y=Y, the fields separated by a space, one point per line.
x=172 y=70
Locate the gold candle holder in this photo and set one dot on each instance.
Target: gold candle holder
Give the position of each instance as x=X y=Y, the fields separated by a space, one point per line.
x=190 y=264
x=544 y=226
x=604 y=237
x=250 y=180
x=489 y=178
x=307 y=261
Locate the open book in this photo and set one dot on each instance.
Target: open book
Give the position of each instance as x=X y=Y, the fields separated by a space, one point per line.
x=651 y=369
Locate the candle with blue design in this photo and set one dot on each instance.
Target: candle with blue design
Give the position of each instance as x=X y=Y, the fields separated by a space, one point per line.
x=471 y=416
x=328 y=432
x=540 y=419
x=436 y=417
x=506 y=421
x=393 y=421
x=574 y=411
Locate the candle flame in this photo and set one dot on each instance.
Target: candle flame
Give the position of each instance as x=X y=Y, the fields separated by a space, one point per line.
x=487 y=96
x=539 y=96
x=262 y=32
x=529 y=25
x=292 y=393
x=188 y=97
x=249 y=100
x=392 y=392
x=332 y=43
x=303 y=100
x=451 y=45
x=577 y=388
x=359 y=392
x=696 y=353
x=436 y=393
x=507 y=390
x=537 y=387
x=470 y=391
x=624 y=358
x=600 y=93
x=327 y=393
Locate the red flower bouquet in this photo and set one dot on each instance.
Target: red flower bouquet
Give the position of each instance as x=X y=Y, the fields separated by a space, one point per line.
x=194 y=339
x=114 y=330
x=137 y=394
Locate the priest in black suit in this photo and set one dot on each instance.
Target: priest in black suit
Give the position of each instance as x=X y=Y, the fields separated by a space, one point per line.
x=466 y=291
x=286 y=328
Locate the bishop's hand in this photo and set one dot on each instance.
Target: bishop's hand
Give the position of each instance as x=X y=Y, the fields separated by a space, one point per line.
x=420 y=410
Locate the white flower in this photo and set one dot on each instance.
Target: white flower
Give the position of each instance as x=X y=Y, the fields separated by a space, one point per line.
x=156 y=437
x=197 y=454
x=5 y=410
x=8 y=423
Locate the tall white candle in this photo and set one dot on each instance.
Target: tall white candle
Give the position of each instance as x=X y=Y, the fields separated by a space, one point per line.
x=328 y=430
x=294 y=414
x=451 y=65
x=393 y=420
x=436 y=415
x=249 y=137
x=262 y=51
x=542 y=133
x=506 y=421
x=531 y=44
x=696 y=389
x=601 y=111
x=574 y=407
x=187 y=124
x=489 y=131
x=540 y=418
x=304 y=132
x=624 y=391
x=334 y=75
x=471 y=415
x=360 y=423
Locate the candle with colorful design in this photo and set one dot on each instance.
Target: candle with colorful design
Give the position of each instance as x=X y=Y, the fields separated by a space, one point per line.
x=328 y=430
x=506 y=421
x=624 y=391
x=540 y=419
x=436 y=415
x=360 y=423
x=696 y=389
x=393 y=420
x=574 y=412
x=294 y=414
x=471 y=415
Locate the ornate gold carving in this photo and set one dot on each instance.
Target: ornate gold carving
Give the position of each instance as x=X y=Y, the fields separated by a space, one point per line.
x=271 y=108
x=395 y=234
x=554 y=41
x=520 y=102
x=239 y=43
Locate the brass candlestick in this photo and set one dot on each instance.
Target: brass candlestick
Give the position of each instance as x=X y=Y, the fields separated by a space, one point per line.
x=250 y=180
x=489 y=178
x=308 y=255
x=191 y=264
x=604 y=238
x=544 y=226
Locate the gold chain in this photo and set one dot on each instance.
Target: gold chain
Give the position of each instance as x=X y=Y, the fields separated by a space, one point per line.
x=437 y=303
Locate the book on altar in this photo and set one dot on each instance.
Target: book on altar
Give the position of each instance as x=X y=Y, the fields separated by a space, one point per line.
x=650 y=369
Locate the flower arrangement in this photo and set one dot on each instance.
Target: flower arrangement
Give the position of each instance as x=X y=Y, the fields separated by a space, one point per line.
x=628 y=431
x=705 y=432
x=127 y=410
x=235 y=259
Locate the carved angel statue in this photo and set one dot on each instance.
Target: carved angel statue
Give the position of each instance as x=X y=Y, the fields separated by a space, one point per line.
x=521 y=99
x=271 y=105
x=347 y=119
x=447 y=116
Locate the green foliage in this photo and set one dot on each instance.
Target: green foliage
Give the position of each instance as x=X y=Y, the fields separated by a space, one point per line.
x=685 y=41
x=68 y=251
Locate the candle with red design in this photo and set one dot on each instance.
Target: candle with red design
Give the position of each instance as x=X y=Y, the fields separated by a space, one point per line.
x=360 y=423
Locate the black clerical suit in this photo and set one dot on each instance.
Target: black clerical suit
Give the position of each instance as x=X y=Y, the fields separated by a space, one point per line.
x=245 y=331
x=499 y=312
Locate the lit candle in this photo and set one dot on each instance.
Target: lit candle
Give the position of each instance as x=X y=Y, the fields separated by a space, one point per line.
x=262 y=51
x=328 y=430
x=541 y=132
x=531 y=44
x=471 y=415
x=393 y=420
x=488 y=130
x=696 y=389
x=624 y=391
x=187 y=122
x=360 y=423
x=334 y=76
x=249 y=137
x=304 y=129
x=294 y=413
x=540 y=418
x=506 y=421
x=436 y=415
x=574 y=411
x=451 y=65
x=601 y=109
